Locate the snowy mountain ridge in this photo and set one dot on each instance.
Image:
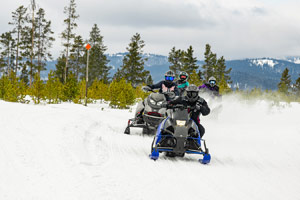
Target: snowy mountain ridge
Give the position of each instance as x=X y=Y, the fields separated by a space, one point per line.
x=264 y=61
x=261 y=73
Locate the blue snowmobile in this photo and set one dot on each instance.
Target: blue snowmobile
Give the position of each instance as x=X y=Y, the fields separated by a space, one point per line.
x=178 y=134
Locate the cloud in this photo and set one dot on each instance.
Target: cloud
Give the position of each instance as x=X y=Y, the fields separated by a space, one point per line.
x=145 y=13
x=234 y=28
x=259 y=11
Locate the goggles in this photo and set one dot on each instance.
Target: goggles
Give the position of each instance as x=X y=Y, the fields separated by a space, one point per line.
x=212 y=82
x=192 y=94
x=169 y=78
x=183 y=77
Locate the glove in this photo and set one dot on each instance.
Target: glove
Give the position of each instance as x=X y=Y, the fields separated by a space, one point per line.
x=198 y=106
x=146 y=88
x=200 y=100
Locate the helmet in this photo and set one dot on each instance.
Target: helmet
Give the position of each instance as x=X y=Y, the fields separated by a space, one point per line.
x=192 y=93
x=183 y=76
x=169 y=76
x=212 y=81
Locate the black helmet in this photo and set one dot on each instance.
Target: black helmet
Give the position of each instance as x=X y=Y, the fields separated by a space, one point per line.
x=212 y=81
x=169 y=76
x=183 y=76
x=192 y=93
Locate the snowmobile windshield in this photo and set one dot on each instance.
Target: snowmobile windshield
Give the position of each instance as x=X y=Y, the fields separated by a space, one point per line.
x=158 y=97
x=180 y=114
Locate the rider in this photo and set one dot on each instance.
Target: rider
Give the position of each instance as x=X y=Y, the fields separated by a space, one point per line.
x=182 y=82
x=167 y=85
x=211 y=86
x=198 y=105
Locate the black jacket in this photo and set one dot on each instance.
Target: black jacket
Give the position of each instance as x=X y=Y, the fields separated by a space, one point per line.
x=165 y=85
x=200 y=103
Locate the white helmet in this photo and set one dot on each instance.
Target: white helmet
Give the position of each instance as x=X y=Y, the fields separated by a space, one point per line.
x=212 y=81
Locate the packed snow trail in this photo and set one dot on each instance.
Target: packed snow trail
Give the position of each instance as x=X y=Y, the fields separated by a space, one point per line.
x=69 y=152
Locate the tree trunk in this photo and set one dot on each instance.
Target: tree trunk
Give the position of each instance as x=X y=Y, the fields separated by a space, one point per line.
x=32 y=43
x=17 y=56
x=8 y=60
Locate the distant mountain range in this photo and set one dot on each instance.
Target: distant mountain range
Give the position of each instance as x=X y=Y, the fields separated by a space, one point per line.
x=262 y=73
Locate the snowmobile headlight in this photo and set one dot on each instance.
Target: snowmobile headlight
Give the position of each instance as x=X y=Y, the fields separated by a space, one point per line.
x=159 y=103
x=152 y=101
x=180 y=122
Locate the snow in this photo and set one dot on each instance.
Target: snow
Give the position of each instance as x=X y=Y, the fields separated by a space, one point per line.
x=295 y=60
x=262 y=62
x=70 y=152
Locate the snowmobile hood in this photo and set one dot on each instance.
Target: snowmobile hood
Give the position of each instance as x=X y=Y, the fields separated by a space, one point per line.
x=157 y=97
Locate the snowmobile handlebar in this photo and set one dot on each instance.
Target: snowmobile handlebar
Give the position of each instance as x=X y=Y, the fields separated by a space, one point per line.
x=179 y=106
x=148 y=89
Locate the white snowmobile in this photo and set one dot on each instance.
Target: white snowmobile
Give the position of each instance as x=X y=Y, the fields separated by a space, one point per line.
x=149 y=112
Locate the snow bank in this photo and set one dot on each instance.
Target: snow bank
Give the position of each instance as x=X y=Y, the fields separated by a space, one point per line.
x=69 y=152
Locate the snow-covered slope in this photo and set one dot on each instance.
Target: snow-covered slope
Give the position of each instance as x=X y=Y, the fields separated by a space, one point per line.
x=265 y=61
x=71 y=152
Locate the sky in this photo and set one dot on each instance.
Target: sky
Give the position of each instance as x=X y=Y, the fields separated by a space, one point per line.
x=236 y=29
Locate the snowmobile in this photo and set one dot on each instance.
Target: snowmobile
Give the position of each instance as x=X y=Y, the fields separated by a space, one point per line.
x=177 y=135
x=149 y=113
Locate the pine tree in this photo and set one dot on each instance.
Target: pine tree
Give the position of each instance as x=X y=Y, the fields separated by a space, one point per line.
x=53 y=88
x=33 y=31
x=210 y=63
x=140 y=94
x=98 y=62
x=26 y=47
x=71 y=88
x=68 y=33
x=14 y=89
x=176 y=58
x=221 y=73
x=99 y=90
x=7 y=43
x=60 y=67
x=132 y=69
x=2 y=65
x=149 y=80
x=223 y=86
x=296 y=87
x=24 y=73
x=81 y=93
x=77 y=61
x=189 y=61
x=44 y=40
x=127 y=95
x=195 y=79
x=122 y=94
x=3 y=82
x=285 y=82
x=37 y=89
x=19 y=19
x=114 y=91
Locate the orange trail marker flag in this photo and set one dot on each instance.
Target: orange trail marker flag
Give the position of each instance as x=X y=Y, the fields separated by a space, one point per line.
x=88 y=46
